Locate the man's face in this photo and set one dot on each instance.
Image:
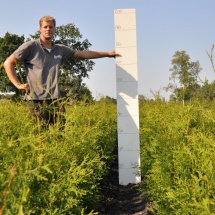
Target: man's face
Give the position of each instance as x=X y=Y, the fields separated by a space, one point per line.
x=47 y=30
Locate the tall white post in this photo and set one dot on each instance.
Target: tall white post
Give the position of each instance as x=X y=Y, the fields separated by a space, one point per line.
x=127 y=96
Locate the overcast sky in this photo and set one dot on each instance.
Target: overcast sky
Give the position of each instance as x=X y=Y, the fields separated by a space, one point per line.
x=163 y=27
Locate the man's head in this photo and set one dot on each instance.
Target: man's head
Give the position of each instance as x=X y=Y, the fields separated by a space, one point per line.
x=47 y=27
x=47 y=19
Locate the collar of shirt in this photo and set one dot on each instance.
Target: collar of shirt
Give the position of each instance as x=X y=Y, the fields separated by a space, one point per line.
x=53 y=44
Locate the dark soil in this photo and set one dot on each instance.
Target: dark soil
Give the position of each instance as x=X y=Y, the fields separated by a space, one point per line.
x=119 y=199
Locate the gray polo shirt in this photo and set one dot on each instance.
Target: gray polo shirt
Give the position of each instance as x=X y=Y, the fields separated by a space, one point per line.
x=42 y=68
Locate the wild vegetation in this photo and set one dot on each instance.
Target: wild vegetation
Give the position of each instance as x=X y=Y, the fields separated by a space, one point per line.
x=177 y=153
x=50 y=170
x=55 y=171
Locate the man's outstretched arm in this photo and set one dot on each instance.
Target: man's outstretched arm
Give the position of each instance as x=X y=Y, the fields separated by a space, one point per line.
x=94 y=54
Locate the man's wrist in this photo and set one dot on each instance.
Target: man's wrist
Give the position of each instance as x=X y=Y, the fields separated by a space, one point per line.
x=17 y=84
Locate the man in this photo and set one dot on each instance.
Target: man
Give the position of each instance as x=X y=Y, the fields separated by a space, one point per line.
x=42 y=59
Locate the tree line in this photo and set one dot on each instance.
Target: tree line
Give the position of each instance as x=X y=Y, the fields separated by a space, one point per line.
x=185 y=83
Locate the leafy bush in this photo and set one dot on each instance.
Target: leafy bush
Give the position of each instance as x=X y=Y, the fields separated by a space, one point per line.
x=54 y=171
x=178 y=159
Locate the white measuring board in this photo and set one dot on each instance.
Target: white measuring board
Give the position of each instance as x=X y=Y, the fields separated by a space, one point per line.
x=127 y=96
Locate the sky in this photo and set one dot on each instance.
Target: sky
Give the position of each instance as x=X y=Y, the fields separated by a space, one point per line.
x=163 y=27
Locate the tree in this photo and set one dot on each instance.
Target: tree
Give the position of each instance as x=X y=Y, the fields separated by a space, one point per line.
x=208 y=90
x=8 y=44
x=185 y=74
x=74 y=89
x=108 y=100
x=141 y=98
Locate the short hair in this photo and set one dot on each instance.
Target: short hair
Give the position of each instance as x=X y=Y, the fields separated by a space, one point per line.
x=47 y=19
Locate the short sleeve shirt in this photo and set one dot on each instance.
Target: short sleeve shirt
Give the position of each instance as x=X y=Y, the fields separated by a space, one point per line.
x=42 y=68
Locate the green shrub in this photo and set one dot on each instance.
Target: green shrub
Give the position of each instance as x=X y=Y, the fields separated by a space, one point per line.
x=178 y=159
x=54 y=171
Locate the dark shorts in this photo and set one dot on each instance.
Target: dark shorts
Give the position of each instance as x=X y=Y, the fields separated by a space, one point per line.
x=49 y=111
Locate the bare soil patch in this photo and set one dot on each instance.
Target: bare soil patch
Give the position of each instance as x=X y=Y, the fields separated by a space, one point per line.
x=118 y=199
